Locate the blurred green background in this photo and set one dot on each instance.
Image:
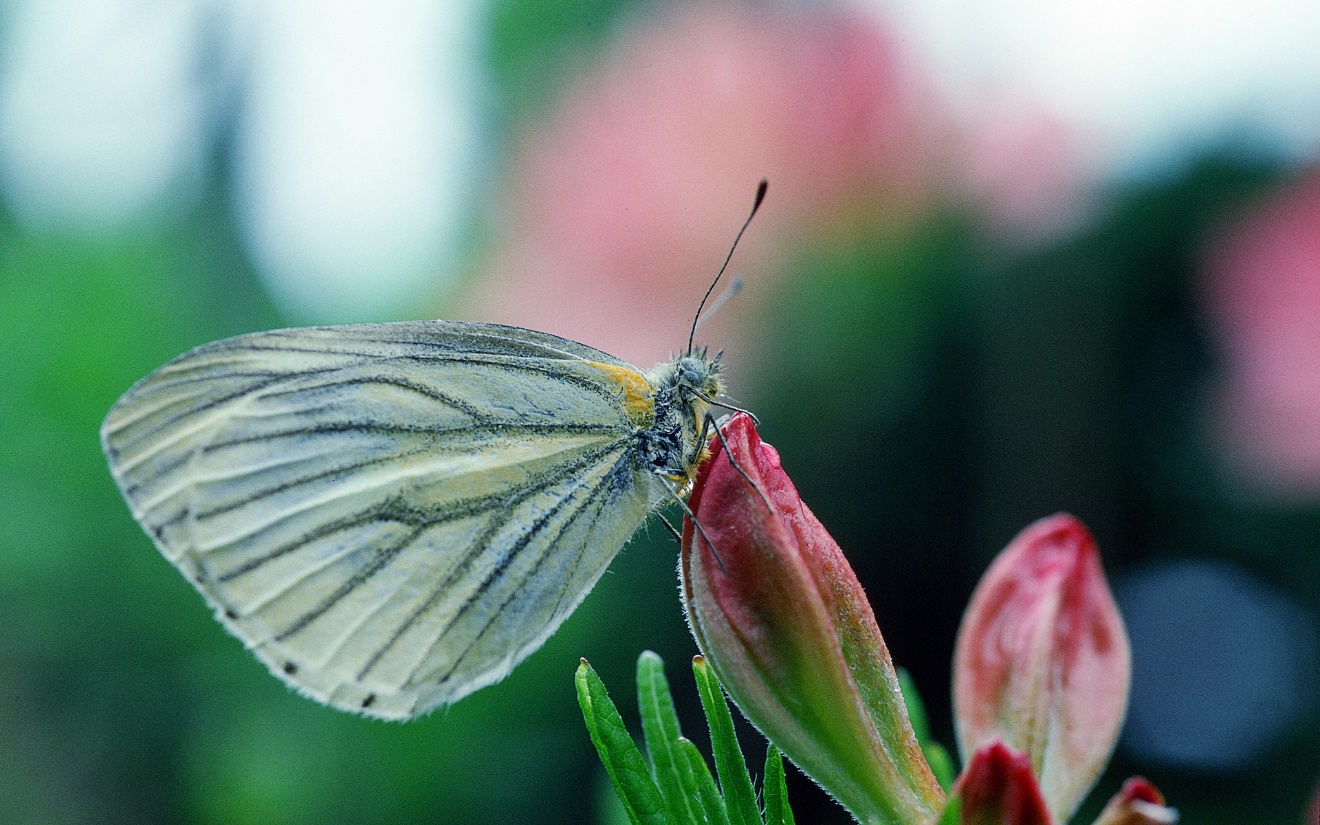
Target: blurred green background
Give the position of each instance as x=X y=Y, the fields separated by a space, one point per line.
x=955 y=323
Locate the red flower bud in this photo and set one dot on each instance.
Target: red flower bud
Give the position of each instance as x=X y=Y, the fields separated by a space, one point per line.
x=782 y=619
x=998 y=788
x=1042 y=660
x=1138 y=803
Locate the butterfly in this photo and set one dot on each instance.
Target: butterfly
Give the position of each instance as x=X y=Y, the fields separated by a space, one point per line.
x=392 y=516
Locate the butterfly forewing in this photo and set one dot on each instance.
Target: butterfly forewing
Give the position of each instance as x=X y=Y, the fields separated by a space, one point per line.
x=390 y=515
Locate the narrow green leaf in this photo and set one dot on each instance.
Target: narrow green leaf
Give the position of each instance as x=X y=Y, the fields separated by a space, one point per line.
x=775 y=789
x=915 y=707
x=673 y=773
x=606 y=806
x=952 y=812
x=936 y=756
x=623 y=761
x=735 y=781
x=941 y=764
x=707 y=793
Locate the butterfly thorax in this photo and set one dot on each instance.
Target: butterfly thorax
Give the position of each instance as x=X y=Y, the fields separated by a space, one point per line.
x=675 y=442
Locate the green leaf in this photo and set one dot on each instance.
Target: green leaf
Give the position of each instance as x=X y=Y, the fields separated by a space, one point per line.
x=775 y=788
x=673 y=772
x=941 y=764
x=952 y=812
x=915 y=707
x=735 y=781
x=707 y=793
x=623 y=761
x=606 y=806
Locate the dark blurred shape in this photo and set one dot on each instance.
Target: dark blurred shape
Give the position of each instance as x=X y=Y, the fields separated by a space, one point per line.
x=1223 y=666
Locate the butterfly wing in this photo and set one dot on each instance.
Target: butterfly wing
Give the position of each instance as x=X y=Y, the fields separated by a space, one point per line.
x=389 y=515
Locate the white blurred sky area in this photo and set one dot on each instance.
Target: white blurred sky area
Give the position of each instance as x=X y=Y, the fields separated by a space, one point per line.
x=358 y=134
x=355 y=132
x=1144 y=82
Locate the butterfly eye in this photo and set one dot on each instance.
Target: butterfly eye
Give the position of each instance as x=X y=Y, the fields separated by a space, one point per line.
x=691 y=372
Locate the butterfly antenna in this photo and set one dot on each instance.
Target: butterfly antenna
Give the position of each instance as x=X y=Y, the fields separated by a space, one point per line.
x=700 y=530
x=760 y=196
x=673 y=531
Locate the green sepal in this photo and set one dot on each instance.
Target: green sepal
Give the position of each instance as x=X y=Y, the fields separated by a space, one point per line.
x=775 y=789
x=672 y=771
x=707 y=793
x=735 y=781
x=623 y=761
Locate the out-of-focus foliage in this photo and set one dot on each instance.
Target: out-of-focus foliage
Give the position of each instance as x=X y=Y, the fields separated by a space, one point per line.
x=534 y=43
x=931 y=386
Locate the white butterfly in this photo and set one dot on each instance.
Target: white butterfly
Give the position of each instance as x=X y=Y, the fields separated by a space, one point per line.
x=392 y=516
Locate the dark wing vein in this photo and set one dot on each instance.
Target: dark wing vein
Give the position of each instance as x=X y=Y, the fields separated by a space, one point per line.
x=386 y=380
x=476 y=551
x=592 y=498
x=381 y=559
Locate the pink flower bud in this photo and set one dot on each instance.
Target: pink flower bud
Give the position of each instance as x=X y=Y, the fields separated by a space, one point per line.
x=998 y=788
x=783 y=621
x=1138 y=803
x=1042 y=660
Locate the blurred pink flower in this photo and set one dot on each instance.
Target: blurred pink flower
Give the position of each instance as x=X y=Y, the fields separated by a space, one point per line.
x=1262 y=296
x=1025 y=171
x=1042 y=660
x=625 y=202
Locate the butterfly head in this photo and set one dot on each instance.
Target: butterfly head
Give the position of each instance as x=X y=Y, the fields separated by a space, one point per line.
x=697 y=375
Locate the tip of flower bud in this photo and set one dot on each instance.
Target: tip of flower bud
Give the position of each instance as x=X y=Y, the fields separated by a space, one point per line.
x=999 y=788
x=1137 y=803
x=1042 y=660
x=1139 y=788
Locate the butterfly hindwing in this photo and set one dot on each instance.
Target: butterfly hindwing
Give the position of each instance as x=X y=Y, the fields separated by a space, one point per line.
x=390 y=515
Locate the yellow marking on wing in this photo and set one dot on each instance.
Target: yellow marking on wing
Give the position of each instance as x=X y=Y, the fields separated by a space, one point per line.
x=638 y=402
